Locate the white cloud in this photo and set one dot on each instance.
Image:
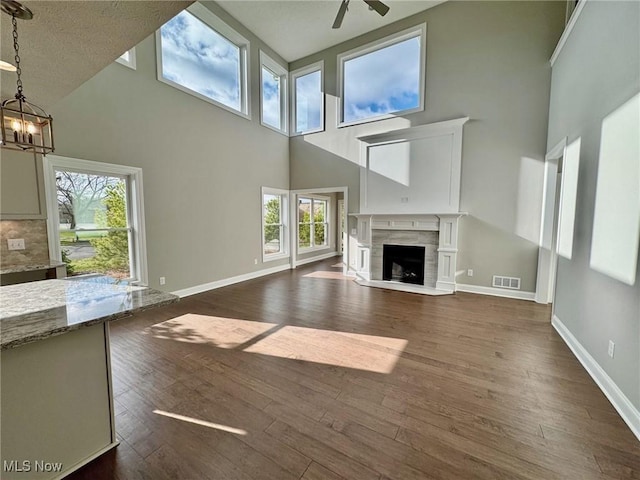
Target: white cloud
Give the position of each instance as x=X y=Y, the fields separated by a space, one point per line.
x=270 y=99
x=198 y=58
x=308 y=101
x=383 y=81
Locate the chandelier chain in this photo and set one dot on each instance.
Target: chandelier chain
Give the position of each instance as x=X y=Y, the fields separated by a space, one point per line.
x=16 y=47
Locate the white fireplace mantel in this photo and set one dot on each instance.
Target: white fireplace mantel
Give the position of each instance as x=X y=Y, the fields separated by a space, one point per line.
x=446 y=224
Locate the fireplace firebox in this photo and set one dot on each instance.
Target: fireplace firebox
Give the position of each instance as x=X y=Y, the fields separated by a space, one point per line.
x=403 y=263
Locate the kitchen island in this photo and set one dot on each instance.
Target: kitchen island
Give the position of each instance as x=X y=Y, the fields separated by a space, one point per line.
x=56 y=410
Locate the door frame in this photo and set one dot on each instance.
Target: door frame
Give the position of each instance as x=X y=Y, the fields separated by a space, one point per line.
x=547 y=256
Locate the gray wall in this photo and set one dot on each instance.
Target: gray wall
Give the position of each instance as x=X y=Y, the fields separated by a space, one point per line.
x=488 y=61
x=597 y=71
x=203 y=166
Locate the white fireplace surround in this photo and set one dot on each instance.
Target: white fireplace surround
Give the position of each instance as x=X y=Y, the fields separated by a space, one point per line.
x=446 y=224
x=410 y=181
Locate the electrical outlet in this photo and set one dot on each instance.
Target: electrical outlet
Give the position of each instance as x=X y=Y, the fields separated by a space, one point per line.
x=612 y=348
x=255 y=261
x=470 y=272
x=163 y=280
x=404 y=199
x=354 y=232
x=15 y=243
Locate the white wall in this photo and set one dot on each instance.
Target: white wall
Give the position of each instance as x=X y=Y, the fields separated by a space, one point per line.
x=488 y=61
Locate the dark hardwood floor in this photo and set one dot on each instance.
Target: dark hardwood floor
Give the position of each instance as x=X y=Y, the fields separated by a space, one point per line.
x=307 y=375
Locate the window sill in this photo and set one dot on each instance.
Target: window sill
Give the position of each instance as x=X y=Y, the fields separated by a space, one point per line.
x=274 y=256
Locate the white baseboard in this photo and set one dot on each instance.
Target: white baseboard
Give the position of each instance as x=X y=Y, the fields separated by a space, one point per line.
x=496 y=292
x=205 y=287
x=317 y=258
x=618 y=399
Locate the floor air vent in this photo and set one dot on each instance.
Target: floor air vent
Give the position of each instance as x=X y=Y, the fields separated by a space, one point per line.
x=506 y=282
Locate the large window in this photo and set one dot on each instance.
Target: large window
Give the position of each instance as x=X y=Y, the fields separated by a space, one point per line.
x=273 y=93
x=203 y=56
x=308 y=99
x=274 y=224
x=313 y=222
x=383 y=78
x=95 y=219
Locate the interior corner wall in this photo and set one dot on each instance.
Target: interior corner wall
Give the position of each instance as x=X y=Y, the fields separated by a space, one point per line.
x=596 y=72
x=203 y=167
x=485 y=60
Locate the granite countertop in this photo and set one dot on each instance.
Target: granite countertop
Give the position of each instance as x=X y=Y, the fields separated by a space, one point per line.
x=29 y=268
x=38 y=310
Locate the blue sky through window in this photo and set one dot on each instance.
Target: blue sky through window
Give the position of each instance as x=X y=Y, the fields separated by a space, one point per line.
x=308 y=102
x=200 y=59
x=271 y=98
x=383 y=81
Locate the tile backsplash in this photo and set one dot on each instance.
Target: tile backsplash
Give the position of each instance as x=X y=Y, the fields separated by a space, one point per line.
x=34 y=233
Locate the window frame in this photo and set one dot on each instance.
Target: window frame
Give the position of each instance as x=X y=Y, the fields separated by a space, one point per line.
x=135 y=208
x=214 y=22
x=413 y=32
x=131 y=63
x=326 y=223
x=293 y=76
x=284 y=222
x=274 y=67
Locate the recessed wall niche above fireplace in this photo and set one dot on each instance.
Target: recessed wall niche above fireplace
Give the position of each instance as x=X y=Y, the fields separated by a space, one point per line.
x=410 y=197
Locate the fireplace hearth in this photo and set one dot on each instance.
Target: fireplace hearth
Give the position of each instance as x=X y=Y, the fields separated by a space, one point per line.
x=403 y=263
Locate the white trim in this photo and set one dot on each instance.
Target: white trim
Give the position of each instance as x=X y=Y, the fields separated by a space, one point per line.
x=131 y=63
x=135 y=206
x=494 y=292
x=284 y=219
x=629 y=413
x=453 y=128
x=205 y=287
x=327 y=222
x=216 y=24
x=270 y=64
x=317 y=258
x=419 y=31
x=293 y=76
x=567 y=31
x=547 y=257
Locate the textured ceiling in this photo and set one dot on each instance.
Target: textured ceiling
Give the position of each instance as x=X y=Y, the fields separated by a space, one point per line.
x=297 y=28
x=67 y=42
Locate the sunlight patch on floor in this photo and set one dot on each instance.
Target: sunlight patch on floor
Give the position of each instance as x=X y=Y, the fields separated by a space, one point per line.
x=326 y=274
x=328 y=347
x=217 y=426
x=341 y=349
x=219 y=331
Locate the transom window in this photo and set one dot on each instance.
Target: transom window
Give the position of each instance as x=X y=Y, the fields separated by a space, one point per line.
x=201 y=55
x=273 y=88
x=274 y=224
x=308 y=99
x=313 y=222
x=128 y=58
x=383 y=78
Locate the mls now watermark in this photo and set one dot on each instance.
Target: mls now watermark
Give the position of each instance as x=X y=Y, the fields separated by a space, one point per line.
x=31 y=466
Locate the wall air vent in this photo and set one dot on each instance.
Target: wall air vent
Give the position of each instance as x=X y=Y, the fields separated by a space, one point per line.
x=506 y=282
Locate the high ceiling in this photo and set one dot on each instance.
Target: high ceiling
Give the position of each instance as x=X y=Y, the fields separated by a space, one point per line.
x=297 y=28
x=68 y=42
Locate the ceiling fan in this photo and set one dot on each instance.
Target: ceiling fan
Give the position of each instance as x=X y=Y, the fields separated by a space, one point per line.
x=376 y=5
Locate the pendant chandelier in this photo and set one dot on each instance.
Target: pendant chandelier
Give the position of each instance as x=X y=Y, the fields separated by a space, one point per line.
x=24 y=126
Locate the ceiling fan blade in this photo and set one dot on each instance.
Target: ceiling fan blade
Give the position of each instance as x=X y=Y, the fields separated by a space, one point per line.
x=340 y=16
x=378 y=6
